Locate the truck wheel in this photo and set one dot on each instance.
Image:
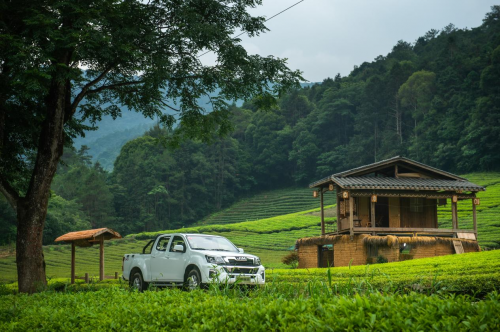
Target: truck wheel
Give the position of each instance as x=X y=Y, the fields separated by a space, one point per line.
x=138 y=282
x=193 y=280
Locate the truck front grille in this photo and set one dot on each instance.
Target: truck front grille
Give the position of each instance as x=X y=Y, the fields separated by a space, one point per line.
x=248 y=262
x=241 y=270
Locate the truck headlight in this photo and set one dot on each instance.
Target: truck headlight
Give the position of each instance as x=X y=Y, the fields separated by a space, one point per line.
x=257 y=261
x=215 y=259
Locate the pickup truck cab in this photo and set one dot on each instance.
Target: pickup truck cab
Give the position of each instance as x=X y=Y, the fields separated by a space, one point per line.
x=191 y=260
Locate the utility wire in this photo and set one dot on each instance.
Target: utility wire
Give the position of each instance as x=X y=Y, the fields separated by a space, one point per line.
x=281 y=12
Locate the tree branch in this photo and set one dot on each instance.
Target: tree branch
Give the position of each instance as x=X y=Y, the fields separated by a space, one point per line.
x=167 y=105
x=84 y=91
x=114 y=86
x=10 y=193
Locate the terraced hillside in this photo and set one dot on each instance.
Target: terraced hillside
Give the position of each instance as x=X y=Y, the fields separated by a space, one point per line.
x=268 y=204
x=269 y=238
x=488 y=212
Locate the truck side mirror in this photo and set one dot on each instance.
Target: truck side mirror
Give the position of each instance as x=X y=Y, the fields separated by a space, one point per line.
x=241 y=251
x=179 y=248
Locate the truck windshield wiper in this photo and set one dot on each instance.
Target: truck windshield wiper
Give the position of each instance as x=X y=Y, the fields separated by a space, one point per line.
x=220 y=249
x=200 y=249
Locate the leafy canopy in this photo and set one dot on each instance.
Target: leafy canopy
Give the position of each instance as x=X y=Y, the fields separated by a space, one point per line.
x=144 y=55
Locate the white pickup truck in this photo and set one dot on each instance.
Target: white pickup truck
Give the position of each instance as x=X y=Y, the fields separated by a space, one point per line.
x=191 y=260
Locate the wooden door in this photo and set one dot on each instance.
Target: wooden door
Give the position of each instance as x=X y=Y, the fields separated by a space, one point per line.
x=394 y=212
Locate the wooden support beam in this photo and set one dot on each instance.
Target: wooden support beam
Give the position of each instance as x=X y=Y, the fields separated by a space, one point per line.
x=351 y=215
x=372 y=217
x=72 y=262
x=337 y=190
x=322 y=212
x=101 y=259
x=86 y=278
x=454 y=215
x=474 y=217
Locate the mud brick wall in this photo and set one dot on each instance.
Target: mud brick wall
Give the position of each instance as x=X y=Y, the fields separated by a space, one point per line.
x=438 y=249
x=308 y=256
x=344 y=251
x=390 y=253
x=469 y=249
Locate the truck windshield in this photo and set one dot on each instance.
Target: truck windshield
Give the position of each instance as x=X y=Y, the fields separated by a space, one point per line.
x=201 y=242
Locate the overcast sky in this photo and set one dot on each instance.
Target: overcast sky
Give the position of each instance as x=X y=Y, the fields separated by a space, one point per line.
x=325 y=37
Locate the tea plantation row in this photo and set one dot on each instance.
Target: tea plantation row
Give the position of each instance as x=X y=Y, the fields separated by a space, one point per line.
x=175 y=310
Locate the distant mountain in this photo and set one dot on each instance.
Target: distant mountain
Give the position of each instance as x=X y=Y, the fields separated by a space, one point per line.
x=106 y=142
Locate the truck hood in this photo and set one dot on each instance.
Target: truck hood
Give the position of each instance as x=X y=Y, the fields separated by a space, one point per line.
x=225 y=254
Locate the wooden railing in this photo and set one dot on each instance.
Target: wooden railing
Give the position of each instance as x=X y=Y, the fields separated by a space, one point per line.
x=88 y=279
x=410 y=230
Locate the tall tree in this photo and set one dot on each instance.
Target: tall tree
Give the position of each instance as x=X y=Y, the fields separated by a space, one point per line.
x=138 y=54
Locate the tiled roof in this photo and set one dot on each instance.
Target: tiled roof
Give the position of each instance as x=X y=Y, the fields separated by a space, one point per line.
x=404 y=183
x=359 y=173
x=394 y=160
x=88 y=235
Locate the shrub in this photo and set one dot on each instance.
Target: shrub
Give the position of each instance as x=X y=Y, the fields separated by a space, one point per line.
x=381 y=259
x=292 y=259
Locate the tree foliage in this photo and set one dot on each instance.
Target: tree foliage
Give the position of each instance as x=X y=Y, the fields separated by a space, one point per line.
x=64 y=62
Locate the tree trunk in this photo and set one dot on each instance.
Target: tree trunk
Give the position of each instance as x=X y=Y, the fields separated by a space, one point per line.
x=32 y=209
x=29 y=251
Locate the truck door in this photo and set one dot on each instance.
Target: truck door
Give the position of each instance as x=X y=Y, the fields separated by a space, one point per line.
x=177 y=259
x=159 y=260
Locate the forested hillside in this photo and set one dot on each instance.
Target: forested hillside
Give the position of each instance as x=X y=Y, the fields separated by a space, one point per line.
x=435 y=100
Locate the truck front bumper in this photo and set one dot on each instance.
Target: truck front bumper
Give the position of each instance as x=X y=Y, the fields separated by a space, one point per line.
x=243 y=275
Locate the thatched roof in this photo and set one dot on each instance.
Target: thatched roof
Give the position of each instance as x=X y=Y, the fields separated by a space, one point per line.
x=327 y=239
x=387 y=241
x=393 y=241
x=85 y=238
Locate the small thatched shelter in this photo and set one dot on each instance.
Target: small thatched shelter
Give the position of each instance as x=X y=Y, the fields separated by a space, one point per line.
x=87 y=239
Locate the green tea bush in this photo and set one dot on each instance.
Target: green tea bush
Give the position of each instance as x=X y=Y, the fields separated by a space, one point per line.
x=173 y=309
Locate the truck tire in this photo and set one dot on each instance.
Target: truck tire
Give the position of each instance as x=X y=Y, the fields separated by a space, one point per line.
x=137 y=282
x=193 y=280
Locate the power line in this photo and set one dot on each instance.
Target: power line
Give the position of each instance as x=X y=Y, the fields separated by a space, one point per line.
x=281 y=12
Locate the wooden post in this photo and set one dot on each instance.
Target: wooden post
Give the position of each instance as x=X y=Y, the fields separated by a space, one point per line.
x=72 y=262
x=474 y=217
x=86 y=278
x=101 y=259
x=116 y=275
x=351 y=215
x=337 y=199
x=322 y=212
x=454 y=214
x=372 y=217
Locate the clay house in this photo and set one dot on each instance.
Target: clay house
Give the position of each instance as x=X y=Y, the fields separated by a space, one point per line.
x=388 y=210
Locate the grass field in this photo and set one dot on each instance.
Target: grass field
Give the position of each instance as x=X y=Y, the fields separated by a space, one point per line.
x=269 y=238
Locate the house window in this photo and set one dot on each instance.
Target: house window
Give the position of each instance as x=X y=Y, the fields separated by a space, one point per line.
x=416 y=205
